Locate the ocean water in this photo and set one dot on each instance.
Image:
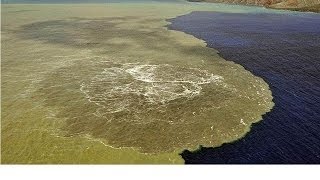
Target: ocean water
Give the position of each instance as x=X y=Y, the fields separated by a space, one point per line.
x=90 y=83
x=283 y=49
x=138 y=57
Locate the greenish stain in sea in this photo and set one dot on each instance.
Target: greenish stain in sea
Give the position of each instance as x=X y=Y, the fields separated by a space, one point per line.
x=110 y=84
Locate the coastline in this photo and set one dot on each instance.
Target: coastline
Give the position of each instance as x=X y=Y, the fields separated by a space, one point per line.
x=313 y=8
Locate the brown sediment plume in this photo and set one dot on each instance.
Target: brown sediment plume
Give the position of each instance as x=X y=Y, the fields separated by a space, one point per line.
x=116 y=86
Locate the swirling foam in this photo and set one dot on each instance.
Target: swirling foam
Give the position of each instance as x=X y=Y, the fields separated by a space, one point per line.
x=136 y=87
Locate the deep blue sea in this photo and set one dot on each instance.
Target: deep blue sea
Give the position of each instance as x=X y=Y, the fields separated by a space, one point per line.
x=283 y=49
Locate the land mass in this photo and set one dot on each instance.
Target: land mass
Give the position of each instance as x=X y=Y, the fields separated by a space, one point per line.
x=296 y=5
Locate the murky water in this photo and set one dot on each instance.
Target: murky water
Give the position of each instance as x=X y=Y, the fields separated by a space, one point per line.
x=111 y=84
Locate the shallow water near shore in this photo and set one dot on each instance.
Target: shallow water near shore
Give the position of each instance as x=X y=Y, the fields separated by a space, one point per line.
x=111 y=84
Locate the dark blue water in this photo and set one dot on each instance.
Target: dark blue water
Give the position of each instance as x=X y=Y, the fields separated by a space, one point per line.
x=283 y=49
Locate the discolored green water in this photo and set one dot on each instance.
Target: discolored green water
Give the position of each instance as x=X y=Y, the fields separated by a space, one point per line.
x=111 y=84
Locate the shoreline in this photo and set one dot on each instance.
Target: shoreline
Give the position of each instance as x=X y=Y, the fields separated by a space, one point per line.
x=313 y=8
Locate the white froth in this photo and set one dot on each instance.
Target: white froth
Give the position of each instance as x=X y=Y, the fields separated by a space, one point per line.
x=132 y=86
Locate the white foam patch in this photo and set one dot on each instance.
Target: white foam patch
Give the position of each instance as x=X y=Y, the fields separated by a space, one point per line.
x=135 y=87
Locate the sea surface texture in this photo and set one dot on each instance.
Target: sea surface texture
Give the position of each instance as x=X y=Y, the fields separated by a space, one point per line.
x=109 y=83
x=283 y=49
